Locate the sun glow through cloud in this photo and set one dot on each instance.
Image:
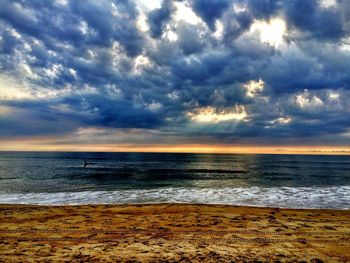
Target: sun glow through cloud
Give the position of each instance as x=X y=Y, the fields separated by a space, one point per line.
x=271 y=32
x=142 y=23
x=211 y=115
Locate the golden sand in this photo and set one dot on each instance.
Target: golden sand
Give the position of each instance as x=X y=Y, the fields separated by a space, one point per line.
x=172 y=233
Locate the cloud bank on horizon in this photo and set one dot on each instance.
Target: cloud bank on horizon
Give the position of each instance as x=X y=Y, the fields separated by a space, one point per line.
x=256 y=72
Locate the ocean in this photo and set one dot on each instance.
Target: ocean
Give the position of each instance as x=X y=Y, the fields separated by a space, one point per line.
x=286 y=181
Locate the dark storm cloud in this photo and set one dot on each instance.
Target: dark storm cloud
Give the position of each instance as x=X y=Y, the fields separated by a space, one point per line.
x=189 y=39
x=91 y=64
x=210 y=10
x=316 y=22
x=35 y=118
x=263 y=9
x=158 y=18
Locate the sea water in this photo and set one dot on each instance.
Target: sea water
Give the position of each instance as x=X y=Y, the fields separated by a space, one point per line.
x=293 y=181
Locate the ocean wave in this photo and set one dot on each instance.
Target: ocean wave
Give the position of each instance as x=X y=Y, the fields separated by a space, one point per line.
x=337 y=197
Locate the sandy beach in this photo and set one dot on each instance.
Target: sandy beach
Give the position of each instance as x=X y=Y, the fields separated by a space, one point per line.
x=173 y=233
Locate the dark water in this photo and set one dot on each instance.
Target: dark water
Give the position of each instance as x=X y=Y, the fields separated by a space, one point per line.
x=273 y=180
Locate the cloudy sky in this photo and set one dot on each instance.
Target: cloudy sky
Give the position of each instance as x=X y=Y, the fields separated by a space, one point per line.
x=201 y=75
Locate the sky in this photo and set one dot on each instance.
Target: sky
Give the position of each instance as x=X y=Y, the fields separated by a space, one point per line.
x=265 y=76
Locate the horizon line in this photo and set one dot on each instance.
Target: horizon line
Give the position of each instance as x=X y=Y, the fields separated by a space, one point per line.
x=196 y=150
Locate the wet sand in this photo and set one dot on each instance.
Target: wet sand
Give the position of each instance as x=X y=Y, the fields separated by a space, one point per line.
x=173 y=233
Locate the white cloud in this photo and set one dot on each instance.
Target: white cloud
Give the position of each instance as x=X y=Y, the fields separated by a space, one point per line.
x=26 y=71
x=64 y=108
x=73 y=72
x=239 y=8
x=173 y=95
x=62 y=2
x=84 y=28
x=113 y=91
x=253 y=88
x=306 y=100
x=117 y=54
x=279 y=121
x=282 y=120
x=140 y=63
x=15 y=33
x=345 y=44
x=219 y=29
x=54 y=70
x=154 y=106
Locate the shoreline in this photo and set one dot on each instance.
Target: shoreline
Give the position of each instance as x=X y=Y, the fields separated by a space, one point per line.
x=173 y=232
x=330 y=197
x=75 y=205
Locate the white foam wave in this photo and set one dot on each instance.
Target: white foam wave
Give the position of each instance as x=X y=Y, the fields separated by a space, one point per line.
x=284 y=197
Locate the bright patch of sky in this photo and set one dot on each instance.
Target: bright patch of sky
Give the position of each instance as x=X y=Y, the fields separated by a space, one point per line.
x=212 y=115
x=170 y=35
x=327 y=3
x=219 y=29
x=185 y=13
x=142 y=23
x=333 y=95
x=148 y=5
x=271 y=32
